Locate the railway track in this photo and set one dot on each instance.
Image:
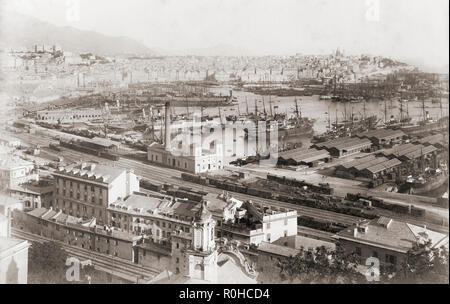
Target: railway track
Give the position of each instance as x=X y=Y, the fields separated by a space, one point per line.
x=160 y=175
x=116 y=266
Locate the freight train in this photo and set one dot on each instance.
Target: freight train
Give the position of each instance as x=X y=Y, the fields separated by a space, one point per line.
x=179 y=192
x=92 y=151
x=309 y=199
x=379 y=203
x=320 y=197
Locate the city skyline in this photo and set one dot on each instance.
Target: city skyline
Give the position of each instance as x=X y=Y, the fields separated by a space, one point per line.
x=417 y=35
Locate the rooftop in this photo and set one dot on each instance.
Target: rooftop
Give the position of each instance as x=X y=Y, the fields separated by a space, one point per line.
x=92 y=171
x=391 y=234
x=344 y=143
x=146 y=205
x=277 y=249
x=308 y=155
x=382 y=134
x=11 y=162
x=10 y=243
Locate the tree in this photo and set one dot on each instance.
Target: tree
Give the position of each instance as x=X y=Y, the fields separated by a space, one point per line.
x=423 y=264
x=47 y=263
x=322 y=265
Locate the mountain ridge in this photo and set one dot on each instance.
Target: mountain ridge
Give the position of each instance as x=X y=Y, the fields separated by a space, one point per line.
x=29 y=31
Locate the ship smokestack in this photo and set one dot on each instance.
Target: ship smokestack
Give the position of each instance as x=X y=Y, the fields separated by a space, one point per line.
x=167 y=127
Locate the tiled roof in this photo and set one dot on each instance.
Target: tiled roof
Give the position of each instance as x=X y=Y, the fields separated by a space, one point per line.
x=397 y=236
x=94 y=171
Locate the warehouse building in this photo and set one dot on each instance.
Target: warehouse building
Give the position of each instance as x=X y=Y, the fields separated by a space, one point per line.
x=413 y=155
x=69 y=115
x=310 y=157
x=383 y=137
x=437 y=140
x=370 y=167
x=345 y=146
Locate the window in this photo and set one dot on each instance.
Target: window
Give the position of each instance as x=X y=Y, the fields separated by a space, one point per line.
x=268 y=225
x=391 y=259
x=117 y=242
x=178 y=260
x=178 y=245
x=375 y=254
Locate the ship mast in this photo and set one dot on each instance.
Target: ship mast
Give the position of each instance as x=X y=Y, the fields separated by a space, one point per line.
x=401 y=112
x=246 y=102
x=264 y=107
x=297 y=112
x=423 y=110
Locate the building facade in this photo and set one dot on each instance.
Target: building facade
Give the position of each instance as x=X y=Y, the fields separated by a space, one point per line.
x=85 y=190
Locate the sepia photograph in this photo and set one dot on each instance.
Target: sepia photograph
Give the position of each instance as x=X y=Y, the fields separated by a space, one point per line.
x=246 y=144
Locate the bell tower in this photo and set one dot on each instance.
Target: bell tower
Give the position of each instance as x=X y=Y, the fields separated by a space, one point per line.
x=200 y=254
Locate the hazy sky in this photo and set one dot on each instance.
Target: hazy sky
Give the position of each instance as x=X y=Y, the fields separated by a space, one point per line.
x=411 y=29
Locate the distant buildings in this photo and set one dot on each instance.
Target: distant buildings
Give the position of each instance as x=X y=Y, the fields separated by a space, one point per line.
x=69 y=115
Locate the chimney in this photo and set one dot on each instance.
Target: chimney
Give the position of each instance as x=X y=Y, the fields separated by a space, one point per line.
x=355 y=232
x=35 y=48
x=167 y=127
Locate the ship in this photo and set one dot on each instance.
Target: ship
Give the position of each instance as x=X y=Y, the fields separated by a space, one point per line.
x=292 y=130
x=425 y=184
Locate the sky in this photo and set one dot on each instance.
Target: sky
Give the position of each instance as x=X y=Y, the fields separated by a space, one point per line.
x=405 y=29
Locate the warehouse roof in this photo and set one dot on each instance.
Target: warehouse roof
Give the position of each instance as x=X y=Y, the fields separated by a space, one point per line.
x=420 y=151
x=432 y=139
x=358 y=161
x=306 y=156
x=384 y=165
x=400 y=150
x=381 y=134
x=345 y=143
x=370 y=163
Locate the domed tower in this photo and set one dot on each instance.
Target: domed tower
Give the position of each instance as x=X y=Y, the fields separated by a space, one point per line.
x=199 y=257
x=203 y=236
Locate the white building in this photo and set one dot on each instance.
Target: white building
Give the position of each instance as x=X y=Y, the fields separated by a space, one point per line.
x=85 y=190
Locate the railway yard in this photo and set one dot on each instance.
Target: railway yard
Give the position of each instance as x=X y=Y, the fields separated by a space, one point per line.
x=436 y=218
